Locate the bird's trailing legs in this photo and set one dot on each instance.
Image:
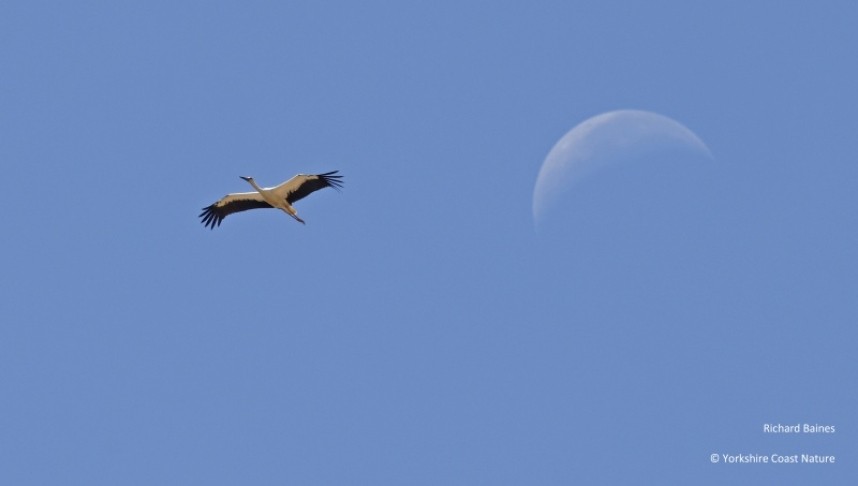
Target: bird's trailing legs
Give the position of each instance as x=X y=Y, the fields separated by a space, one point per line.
x=294 y=214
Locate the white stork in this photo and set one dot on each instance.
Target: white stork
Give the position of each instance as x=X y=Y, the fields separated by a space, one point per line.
x=280 y=197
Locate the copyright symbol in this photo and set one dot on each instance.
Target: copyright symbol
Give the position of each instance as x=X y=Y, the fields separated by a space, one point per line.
x=713 y=458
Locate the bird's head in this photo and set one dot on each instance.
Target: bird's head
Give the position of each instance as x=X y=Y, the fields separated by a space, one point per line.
x=247 y=178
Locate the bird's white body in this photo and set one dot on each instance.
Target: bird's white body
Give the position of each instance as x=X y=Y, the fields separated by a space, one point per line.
x=277 y=196
x=281 y=197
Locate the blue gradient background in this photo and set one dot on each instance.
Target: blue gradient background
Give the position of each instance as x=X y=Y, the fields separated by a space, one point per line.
x=418 y=330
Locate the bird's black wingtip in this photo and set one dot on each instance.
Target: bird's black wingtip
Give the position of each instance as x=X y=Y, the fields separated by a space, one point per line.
x=332 y=180
x=210 y=218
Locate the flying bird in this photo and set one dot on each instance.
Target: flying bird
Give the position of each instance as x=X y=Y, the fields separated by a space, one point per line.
x=280 y=197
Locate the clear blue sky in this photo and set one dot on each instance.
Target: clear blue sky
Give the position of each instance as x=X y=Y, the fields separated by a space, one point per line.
x=418 y=330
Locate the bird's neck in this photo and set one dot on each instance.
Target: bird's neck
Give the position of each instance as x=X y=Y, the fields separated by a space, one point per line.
x=255 y=186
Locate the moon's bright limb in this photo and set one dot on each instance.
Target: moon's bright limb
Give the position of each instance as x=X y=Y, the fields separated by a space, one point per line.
x=603 y=139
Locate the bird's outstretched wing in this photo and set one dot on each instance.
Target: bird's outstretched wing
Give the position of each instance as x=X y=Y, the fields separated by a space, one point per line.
x=302 y=185
x=231 y=203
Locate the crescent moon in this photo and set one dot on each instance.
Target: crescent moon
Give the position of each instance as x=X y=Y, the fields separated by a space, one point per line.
x=602 y=140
